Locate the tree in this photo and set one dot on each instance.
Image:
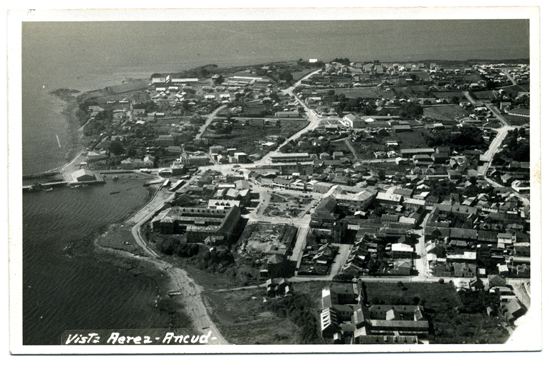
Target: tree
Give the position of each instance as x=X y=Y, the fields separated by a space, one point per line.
x=167 y=244
x=116 y=147
x=411 y=110
x=343 y=277
x=203 y=73
x=286 y=76
x=131 y=152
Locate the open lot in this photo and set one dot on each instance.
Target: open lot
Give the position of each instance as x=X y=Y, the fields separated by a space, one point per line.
x=258 y=237
x=516 y=120
x=243 y=317
x=409 y=140
x=445 y=112
x=404 y=92
x=450 y=95
x=437 y=296
x=247 y=138
x=297 y=75
x=119 y=237
x=283 y=205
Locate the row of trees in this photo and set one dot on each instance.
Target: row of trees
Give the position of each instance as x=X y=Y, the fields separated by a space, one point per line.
x=171 y=245
x=514 y=150
x=467 y=138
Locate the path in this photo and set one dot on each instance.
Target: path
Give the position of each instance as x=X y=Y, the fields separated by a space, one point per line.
x=352 y=149
x=209 y=120
x=469 y=97
x=313 y=118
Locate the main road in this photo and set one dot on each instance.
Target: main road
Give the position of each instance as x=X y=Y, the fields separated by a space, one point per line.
x=314 y=120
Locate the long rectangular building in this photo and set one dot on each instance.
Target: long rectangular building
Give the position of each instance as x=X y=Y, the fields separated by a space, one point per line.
x=409 y=153
x=290 y=158
x=198 y=222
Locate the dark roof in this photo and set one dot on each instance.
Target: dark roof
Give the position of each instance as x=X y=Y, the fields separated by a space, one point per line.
x=327 y=204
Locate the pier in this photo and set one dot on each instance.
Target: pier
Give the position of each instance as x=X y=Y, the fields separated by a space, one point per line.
x=30 y=188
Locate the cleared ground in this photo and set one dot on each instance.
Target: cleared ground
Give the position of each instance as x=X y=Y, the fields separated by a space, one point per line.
x=447 y=112
x=247 y=138
x=243 y=318
x=120 y=237
x=369 y=92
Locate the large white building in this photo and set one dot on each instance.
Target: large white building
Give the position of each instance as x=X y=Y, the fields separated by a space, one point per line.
x=351 y=200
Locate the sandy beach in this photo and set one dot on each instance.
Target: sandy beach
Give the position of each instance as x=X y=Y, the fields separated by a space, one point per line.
x=169 y=278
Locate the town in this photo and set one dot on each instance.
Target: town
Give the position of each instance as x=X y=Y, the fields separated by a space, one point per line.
x=380 y=201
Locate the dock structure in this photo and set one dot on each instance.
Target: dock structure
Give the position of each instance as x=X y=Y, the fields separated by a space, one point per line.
x=78 y=178
x=47 y=185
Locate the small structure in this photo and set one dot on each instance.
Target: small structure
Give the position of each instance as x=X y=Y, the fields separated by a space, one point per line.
x=84 y=175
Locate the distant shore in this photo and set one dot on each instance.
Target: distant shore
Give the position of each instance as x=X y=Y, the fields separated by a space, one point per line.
x=70 y=108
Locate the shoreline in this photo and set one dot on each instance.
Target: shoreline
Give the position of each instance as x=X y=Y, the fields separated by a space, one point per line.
x=73 y=127
x=189 y=306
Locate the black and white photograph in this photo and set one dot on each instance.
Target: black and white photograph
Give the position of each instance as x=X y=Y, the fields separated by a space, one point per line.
x=346 y=180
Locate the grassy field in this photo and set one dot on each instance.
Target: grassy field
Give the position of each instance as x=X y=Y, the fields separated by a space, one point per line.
x=300 y=74
x=473 y=78
x=445 y=112
x=313 y=290
x=242 y=317
x=437 y=296
x=245 y=138
x=450 y=94
x=516 y=120
x=370 y=93
x=120 y=238
x=404 y=92
x=409 y=140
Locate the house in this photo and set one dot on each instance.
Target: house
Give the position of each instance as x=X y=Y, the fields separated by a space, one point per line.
x=325 y=211
x=496 y=280
x=385 y=198
x=402 y=320
x=401 y=128
x=413 y=203
x=165 y=140
x=354 y=121
x=406 y=193
x=400 y=250
x=464 y=269
x=278 y=286
x=512 y=310
x=409 y=153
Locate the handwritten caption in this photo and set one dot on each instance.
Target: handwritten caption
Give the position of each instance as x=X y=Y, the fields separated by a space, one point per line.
x=134 y=337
